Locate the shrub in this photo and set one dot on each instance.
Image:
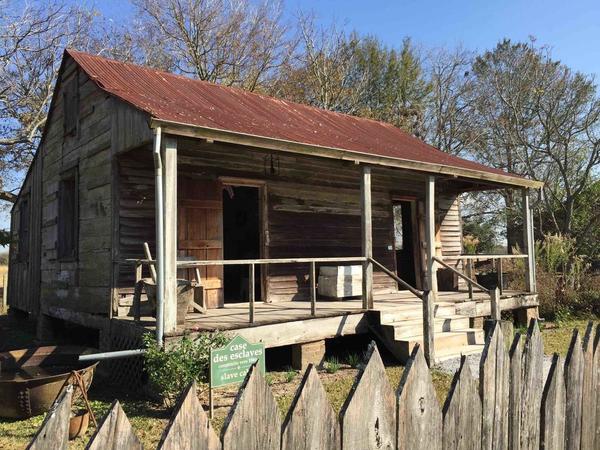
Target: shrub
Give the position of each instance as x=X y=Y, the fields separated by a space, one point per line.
x=171 y=369
x=566 y=286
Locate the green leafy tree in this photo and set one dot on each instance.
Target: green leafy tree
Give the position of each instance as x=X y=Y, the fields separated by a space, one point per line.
x=396 y=89
x=538 y=119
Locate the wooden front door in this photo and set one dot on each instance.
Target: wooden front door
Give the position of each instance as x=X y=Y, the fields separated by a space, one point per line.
x=200 y=232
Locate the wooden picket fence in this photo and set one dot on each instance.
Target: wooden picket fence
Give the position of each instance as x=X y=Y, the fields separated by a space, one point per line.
x=511 y=406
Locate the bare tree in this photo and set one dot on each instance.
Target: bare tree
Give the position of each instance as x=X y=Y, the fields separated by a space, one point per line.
x=451 y=125
x=541 y=120
x=232 y=42
x=323 y=72
x=32 y=38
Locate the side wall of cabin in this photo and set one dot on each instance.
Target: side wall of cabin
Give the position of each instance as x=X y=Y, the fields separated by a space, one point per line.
x=24 y=257
x=72 y=176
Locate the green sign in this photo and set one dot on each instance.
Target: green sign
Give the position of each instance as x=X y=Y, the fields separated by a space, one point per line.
x=230 y=364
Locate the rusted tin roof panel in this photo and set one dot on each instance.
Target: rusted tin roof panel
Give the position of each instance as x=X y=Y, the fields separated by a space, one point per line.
x=184 y=100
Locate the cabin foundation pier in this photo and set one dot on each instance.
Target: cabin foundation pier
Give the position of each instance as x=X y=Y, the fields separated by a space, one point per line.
x=45 y=328
x=523 y=316
x=308 y=353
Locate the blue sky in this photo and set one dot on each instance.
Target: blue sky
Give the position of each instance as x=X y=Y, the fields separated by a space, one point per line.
x=570 y=28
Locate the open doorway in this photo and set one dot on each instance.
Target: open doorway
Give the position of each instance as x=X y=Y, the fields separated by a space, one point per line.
x=241 y=240
x=405 y=240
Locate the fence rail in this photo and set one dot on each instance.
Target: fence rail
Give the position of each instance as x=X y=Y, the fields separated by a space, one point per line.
x=510 y=406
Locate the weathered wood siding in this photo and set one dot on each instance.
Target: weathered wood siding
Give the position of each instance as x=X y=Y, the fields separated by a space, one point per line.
x=449 y=236
x=83 y=283
x=313 y=208
x=25 y=271
x=136 y=218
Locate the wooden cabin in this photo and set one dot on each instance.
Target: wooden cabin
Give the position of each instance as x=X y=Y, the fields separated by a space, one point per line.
x=249 y=185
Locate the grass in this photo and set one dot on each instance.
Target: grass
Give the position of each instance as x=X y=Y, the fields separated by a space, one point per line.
x=557 y=338
x=290 y=374
x=332 y=364
x=149 y=419
x=354 y=360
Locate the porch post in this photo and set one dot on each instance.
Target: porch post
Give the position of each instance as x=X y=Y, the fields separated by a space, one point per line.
x=430 y=295
x=430 y=234
x=528 y=242
x=169 y=158
x=367 y=238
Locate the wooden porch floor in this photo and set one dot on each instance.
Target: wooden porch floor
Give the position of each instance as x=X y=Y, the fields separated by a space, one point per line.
x=234 y=316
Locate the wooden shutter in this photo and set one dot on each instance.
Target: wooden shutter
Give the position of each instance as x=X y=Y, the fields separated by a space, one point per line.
x=68 y=215
x=71 y=107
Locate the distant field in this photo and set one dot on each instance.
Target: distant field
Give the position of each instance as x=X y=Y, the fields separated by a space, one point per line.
x=3 y=270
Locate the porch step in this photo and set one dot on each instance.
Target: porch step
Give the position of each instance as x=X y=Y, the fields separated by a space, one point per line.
x=409 y=328
x=450 y=353
x=448 y=344
x=125 y=308
x=414 y=311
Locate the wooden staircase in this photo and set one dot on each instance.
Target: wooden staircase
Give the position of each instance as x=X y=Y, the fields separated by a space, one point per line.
x=401 y=328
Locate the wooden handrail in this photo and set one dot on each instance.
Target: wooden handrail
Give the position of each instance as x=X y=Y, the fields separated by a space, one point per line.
x=251 y=263
x=490 y=256
x=463 y=276
x=229 y=262
x=391 y=274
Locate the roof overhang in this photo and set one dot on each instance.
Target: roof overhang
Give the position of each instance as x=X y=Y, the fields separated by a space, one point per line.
x=194 y=131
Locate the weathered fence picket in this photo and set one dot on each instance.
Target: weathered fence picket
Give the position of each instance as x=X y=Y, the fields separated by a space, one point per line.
x=114 y=432
x=588 y=403
x=311 y=422
x=462 y=412
x=54 y=432
x=493 y=389
x=510 y=407
x=368 y=417
x=514 y=400
x=573 y=385
x=189 y=427
x=532 y=385
x=254 y=422
x=552 y=431
x=419 y=413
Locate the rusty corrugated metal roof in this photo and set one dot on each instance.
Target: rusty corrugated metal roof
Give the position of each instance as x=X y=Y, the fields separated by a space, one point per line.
x=176 y=98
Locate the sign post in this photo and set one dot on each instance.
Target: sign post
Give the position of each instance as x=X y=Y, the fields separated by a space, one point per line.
x=230 y=364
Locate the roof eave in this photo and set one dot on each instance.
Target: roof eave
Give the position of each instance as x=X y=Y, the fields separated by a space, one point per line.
x=195 y=131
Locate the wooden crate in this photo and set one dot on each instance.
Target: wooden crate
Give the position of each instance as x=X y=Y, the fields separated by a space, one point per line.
x=340 y=281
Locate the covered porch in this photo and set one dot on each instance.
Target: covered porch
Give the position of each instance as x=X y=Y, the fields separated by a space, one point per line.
x=313 y=210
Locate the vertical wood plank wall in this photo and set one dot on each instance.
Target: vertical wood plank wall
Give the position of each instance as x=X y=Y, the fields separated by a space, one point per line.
x=313 y=208
x=83 y=283
x=24 y=279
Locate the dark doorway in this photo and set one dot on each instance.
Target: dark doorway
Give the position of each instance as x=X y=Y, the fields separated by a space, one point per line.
x=404 y=240
x=241 y=240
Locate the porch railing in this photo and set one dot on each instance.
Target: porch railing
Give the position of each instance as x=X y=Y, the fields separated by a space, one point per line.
x=468 y=261
x=251 y=263
x=388 y=272
x=469 y=277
